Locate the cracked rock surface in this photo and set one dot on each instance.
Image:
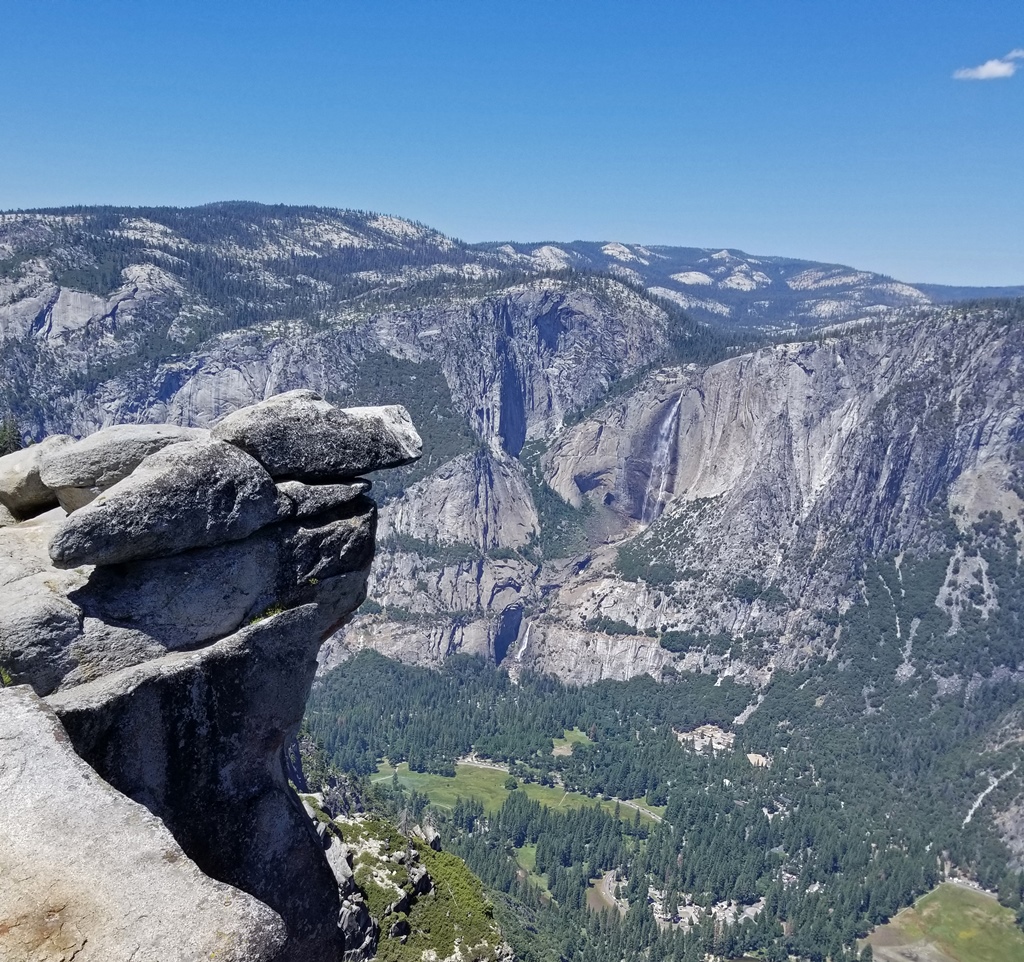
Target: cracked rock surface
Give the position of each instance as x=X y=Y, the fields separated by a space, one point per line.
x=88 y=874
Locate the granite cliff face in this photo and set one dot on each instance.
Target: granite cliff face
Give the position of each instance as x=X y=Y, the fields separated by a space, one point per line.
x=167 y=629
x=788 y=467
x=85 y=872
x=599 y=468
x=737 y=501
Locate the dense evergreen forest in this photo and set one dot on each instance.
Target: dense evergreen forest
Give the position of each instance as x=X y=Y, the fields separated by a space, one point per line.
x=855 y=804
x=847 y=824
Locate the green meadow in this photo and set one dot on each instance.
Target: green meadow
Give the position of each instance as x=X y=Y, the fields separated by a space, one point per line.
x=952 y=923
x=487 y=785
x=564 y=745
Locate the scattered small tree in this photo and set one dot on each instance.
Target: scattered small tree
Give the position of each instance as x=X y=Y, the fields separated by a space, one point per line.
x=10 y=436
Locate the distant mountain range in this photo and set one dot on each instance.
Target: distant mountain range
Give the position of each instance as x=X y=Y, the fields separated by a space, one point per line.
x=732 y=287
x=250 y=262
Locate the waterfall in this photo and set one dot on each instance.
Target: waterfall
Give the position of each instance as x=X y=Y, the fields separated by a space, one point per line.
x=526 y=641
x=661 y=464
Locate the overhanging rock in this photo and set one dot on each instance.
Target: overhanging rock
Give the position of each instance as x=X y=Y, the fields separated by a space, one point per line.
x=86 y=872
x=177 y=643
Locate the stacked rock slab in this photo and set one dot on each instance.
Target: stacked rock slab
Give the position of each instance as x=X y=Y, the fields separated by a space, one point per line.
x=22 y=491
x=76 y=473
x=172 y=622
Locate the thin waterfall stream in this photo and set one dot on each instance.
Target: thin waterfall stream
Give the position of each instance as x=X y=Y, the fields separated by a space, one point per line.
x=661 y=464
x=526 y=641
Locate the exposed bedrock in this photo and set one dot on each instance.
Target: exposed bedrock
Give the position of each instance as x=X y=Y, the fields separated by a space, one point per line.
x=299 y=435
x=790 y=466
x=22 y=491
x=189 y=495
x=78 y=472
x=177 y=641
x=85 y=871
x=196 y=737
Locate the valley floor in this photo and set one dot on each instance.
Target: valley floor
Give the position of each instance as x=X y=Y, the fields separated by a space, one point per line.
x=486 y=783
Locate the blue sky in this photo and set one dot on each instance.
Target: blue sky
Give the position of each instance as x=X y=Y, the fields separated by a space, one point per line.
x=831 y=131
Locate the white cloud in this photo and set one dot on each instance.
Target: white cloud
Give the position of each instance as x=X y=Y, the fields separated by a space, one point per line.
x=992 y=69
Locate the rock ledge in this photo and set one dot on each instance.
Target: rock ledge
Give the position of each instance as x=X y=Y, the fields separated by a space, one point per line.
x=162 y=639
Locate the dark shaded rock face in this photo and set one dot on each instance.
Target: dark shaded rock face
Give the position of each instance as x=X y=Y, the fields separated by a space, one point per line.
x=180 y=675
x=197 y=739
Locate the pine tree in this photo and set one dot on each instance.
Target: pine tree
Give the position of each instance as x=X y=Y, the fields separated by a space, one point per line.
x=10 y=436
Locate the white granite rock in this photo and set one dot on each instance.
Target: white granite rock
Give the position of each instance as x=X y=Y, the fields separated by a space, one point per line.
x=87 y=873
x=78 y=472
x=21 y=489
x=189 y=495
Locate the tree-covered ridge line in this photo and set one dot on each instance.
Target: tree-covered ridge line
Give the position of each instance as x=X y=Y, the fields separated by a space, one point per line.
x=739 y=287
x=254 y=263
x=157 y=290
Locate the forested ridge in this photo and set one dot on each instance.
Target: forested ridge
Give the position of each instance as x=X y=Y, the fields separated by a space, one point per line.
x=271 y=270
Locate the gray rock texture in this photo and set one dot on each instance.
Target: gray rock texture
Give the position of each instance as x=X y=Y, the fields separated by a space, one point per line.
x=173 y=625
x=21 y=489
x=359 y=930
x=40 y=623
x=577 y=376
x=791 y=466
x=196 y=737
x=90 y=875
x=306 y=500
x=189 y=495
x=78 y=472
x=62 y=627
x=480 y=499
x=299 y=435
x=339 y=857
x=786 y=465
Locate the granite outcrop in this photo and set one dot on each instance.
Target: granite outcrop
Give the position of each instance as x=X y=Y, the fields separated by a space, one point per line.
x=160 y=641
